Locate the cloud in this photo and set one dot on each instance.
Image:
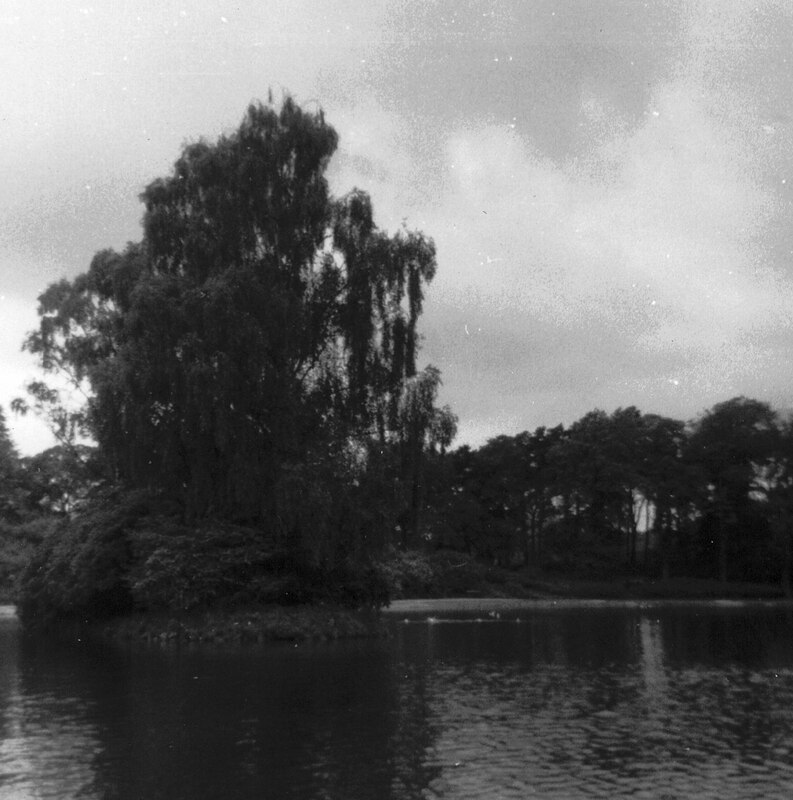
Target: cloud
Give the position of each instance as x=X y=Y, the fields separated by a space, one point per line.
x=626 y=241
x=640 y=268
x=648 y=253
x=373 y=156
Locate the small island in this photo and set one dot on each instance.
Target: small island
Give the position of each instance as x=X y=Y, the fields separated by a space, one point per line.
x=257 y=455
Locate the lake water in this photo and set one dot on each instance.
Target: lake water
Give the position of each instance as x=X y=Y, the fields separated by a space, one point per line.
x=549 y=701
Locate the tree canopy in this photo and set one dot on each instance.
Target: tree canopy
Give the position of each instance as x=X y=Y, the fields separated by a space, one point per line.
x=261 y=335
x=633 y=493
x=9 y=473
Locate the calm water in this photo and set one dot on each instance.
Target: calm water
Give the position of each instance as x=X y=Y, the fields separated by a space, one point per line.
x=552 y=702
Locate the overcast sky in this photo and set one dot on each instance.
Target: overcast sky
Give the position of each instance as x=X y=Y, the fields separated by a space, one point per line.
x=608 y=183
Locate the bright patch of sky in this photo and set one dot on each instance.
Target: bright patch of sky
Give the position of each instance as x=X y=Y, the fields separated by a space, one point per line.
x=608 y=183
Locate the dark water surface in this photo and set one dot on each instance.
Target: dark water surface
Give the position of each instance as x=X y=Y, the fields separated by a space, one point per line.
x=641 y=701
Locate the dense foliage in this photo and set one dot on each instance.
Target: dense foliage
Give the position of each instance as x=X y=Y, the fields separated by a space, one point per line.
x=24 y=521
x=253 y=360
x=631 y=493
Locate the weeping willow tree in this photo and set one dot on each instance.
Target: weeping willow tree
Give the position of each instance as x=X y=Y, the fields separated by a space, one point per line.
x=249 y=354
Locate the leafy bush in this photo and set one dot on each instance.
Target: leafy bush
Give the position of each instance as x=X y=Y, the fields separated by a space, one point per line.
x=80 y=568
x=458 y=574
x=18 y=543
x=179 y=568
x=349 y=585
x=409 y=573
x=124 y=553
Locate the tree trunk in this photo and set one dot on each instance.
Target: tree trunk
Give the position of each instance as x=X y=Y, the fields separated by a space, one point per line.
x=631 y=517
x=415 y=500
x=665 y=532
x=722 y=552
x=526 y=531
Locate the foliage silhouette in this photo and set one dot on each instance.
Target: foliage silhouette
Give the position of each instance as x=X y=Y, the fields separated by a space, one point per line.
x=254 y=358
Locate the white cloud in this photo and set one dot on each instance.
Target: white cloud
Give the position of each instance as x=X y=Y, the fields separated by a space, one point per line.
x=652 y=245
x=663 y=217
x=655 y=242
x=372 y=156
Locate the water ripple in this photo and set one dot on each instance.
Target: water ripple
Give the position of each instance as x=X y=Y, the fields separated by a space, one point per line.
x=611 y=733
x=581 y=702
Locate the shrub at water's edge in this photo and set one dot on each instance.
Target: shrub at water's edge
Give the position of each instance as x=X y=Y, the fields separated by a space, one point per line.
x=18 y=543
x=130 y=567
x=127 y=554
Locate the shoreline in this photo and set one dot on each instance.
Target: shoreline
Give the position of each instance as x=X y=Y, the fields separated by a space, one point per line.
x=245 y=626
x=544 y=587
x=223 y=627
x=492 y=605
x=270 y=624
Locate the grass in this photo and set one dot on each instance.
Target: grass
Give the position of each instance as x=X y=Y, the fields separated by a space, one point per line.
x=447 y=574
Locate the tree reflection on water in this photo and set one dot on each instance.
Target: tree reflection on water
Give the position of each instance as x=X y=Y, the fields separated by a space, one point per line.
x=565 y=703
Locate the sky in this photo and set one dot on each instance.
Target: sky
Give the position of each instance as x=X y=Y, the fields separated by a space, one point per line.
x=609 y=184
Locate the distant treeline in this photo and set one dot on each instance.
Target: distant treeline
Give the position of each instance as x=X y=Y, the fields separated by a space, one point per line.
x=627 y=491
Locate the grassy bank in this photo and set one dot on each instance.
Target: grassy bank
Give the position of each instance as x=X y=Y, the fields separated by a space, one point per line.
x=448 y=574
x=647 y=589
